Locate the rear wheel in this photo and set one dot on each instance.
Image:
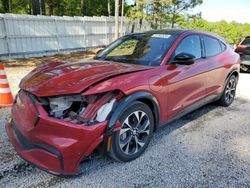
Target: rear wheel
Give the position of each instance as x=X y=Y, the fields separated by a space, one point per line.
x=229 y=92
x=137 y=127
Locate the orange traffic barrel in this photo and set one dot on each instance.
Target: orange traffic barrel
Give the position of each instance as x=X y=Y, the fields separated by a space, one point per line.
x=6 y=98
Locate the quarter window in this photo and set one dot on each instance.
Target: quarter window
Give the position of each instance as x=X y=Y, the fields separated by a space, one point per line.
x=212 y=46
x=190 y=45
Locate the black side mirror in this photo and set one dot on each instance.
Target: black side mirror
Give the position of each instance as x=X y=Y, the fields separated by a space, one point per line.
x=184 y=59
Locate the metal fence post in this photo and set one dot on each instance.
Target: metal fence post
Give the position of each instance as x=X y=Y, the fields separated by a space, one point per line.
x=57 y=36
x=6 y=38
x=84 y=33
x=106 y=31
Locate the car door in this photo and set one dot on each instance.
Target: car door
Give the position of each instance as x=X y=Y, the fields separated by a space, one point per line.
x=214 y=62
x=187 y=86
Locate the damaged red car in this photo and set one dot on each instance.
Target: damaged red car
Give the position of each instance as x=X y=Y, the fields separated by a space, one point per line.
x=66 y=112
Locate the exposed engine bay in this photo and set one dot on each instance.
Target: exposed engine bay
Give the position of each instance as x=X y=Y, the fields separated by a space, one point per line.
x=79 y=109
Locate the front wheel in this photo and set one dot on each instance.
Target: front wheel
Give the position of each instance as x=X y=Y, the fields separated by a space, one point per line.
x=229 y=92
x=137 y=127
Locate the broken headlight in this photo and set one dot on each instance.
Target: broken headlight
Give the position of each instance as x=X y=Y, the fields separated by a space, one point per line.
x=81 y=109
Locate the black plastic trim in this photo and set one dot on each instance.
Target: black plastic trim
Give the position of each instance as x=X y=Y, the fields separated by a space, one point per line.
x=235 y=70
x=63 y=175
x=197 y=105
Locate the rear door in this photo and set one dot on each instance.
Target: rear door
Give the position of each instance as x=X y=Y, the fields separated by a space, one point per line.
x=215 y=61
x=187 y=86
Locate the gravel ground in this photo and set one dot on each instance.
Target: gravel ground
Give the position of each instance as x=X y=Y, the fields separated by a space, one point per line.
x=207 y=148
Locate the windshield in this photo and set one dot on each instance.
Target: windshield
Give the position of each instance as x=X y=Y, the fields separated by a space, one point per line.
x=141 y=49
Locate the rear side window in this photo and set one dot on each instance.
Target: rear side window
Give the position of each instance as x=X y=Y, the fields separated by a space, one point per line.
x=246 y=41
x=212 y=46
x=191 y=45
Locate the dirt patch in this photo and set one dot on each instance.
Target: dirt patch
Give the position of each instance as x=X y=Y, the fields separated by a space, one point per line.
x=31 y=62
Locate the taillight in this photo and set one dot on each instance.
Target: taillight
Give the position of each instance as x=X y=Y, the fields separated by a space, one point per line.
x=241 y=46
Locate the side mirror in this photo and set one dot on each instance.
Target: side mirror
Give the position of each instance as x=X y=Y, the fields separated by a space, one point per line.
x=184 y=59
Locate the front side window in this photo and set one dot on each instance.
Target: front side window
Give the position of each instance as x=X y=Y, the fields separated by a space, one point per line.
x=142 y=49
x=190 y=45
x=212 y=46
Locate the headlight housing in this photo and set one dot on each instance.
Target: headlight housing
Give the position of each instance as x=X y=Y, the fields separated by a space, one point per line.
x=86 y=110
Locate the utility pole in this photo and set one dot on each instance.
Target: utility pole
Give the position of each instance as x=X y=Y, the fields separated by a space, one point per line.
x=122 y=17
x=116 y=19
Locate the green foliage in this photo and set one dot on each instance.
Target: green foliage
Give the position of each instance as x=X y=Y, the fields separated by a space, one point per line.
x=1 y=8
x=150 y=10
x=62 y=7
x=73 y=8
x=161 y=11
x=233 y=32
x=156 y=12
x=15 y=6
x=178 y=8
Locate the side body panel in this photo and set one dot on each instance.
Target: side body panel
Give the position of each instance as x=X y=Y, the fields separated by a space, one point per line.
x=187 y=87
x=218 y=68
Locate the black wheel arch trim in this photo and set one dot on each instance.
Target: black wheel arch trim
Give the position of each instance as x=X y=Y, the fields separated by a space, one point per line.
x=234 y=70
x=119 y=109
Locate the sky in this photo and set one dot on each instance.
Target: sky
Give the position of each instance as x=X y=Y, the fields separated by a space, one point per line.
x=229 y=10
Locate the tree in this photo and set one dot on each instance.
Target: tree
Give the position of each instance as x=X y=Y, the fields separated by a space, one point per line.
x=109 y=11
x=73 y=8
x=97 y=7
x=58 y=7
x=6 y=6
x=84 y=9
x=35 y=7
x=158 y=11
x=233 y=32
x=178 y=7
x=43 y=7
x=150 y=10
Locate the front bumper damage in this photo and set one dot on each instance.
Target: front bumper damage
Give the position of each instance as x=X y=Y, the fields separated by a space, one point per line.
x=54 y=145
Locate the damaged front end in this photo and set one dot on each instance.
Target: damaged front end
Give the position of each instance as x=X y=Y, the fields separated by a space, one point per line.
x=82 y=110
x=58 y=133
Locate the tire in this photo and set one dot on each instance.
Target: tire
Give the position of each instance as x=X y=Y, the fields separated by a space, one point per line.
x=229 y=92
x=137 y=129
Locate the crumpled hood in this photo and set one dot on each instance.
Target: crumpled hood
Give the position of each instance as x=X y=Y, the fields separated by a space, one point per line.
x=60 y=78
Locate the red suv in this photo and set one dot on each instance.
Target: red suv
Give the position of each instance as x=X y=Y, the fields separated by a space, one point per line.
x=111 y=106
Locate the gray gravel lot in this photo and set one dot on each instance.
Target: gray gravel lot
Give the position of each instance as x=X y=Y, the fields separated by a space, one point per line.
x=207 y=148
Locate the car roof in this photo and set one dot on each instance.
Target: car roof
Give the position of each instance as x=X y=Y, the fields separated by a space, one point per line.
x=162 y=31
x=177 y=32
